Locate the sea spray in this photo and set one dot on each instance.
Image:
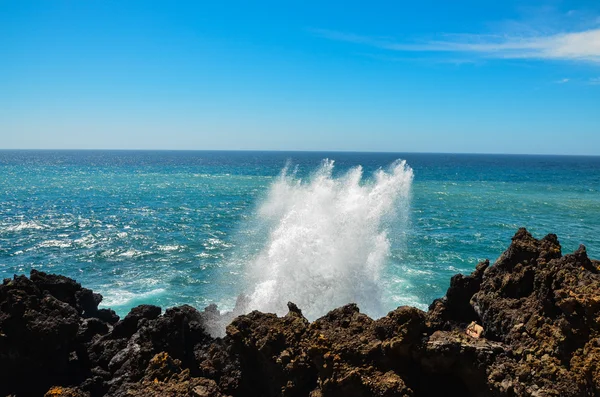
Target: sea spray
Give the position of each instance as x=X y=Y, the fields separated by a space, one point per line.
x=326 y=239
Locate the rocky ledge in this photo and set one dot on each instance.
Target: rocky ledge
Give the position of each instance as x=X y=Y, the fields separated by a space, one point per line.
x=528 y=325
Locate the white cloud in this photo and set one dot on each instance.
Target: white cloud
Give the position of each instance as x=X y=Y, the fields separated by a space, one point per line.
x=562 y=81
x=594 y=81
x=572 y=46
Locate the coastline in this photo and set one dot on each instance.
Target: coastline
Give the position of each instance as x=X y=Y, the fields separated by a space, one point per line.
x=539 y=311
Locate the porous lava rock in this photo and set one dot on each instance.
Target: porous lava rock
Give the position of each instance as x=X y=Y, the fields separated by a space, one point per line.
x=539 y=309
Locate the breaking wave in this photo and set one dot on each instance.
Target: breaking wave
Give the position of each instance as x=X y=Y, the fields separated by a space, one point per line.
x=326 y=239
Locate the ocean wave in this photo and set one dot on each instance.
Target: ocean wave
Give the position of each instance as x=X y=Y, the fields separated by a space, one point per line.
x=55 y=244
x=87 y=241
x=31 y=225
x=327 y=239
x=134 y=253
x=170 y=248
x=122 y=297
x=118 y=254
x=215 y=243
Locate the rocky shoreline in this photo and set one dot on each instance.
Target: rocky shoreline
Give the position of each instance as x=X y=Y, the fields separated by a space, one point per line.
x=539 y=312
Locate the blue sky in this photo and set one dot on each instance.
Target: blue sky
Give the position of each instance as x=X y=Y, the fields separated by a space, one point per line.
x=427 y=76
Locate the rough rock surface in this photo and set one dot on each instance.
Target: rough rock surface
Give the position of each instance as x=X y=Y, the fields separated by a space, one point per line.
x=540 y=313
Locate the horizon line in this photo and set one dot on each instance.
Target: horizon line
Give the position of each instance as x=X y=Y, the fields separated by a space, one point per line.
x=295 y=151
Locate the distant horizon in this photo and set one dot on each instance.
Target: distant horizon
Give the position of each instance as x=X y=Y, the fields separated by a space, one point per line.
x=293 y=151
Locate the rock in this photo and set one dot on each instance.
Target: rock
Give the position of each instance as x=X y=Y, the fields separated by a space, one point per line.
x=453 y=361
x=474 y=330
x=162 y=367
x=357 y=356
x=59 y=391
x=455 y=309
x=90 y=327
x=178 y=332
x=37 y=335
x=271 y=354
x=69 y=291
x=107 y=315
x=129 y=325
x=542 y=305
x=164 y=377
x=533 y=319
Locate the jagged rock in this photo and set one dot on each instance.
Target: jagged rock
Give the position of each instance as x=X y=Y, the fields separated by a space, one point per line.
x=37 y=335
x=455 y=309
x=164 y=377
x=129 y=325
x=540 y=313
x=69 y=291
x=177 y=332
x=271 y=355
x=454 y=355
x=357 y=356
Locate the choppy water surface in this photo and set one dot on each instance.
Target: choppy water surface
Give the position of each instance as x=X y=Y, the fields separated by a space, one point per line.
x=201 y=227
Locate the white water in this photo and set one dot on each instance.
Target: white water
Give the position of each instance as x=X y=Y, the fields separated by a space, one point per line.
x=327 y=239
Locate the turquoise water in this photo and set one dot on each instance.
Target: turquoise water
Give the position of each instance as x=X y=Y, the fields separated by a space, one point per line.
x=187 y=227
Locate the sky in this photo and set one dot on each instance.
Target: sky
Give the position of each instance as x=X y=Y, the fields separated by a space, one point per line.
x=393 y=76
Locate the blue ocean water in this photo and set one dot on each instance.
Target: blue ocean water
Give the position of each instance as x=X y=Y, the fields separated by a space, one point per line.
x=174 y=227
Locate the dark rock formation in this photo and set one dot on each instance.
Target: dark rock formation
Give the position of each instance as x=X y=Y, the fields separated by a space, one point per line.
x=540 y=313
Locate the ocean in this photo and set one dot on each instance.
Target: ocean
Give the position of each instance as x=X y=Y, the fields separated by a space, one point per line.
x=318 y=229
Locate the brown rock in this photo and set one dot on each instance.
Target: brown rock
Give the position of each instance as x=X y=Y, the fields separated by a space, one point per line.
x=533 y=321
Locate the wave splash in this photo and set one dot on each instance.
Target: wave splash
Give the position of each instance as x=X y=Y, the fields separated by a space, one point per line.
x=327 y=239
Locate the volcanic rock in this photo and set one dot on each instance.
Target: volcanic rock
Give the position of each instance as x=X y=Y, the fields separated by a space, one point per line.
x=539 y=313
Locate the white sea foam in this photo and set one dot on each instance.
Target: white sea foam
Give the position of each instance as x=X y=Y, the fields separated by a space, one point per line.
x=31 y=225
x=55 y=244
x=327 y=239
x=132 y=253
x=169 y=248
x=119 y=297
x=215 y=244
